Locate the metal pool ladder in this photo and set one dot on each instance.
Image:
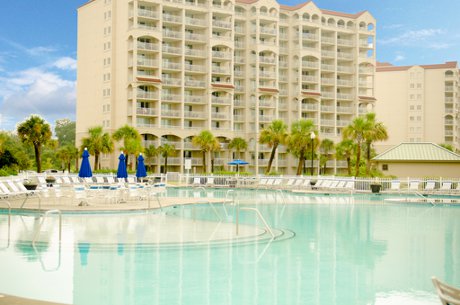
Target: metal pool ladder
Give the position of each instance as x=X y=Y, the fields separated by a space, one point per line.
x=37 y=232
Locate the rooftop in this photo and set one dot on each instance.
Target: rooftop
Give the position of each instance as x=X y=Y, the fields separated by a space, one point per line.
x=418 y=152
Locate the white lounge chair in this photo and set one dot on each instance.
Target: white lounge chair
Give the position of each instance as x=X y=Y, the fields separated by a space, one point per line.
x=414 y=185
x=395 y=186
x=196 y=181
x=446 y=187
x=429 y=186
x=449 y=295
x=210 y=181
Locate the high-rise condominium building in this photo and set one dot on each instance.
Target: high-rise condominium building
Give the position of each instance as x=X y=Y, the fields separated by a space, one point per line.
x=171 y=68
x=418 y=103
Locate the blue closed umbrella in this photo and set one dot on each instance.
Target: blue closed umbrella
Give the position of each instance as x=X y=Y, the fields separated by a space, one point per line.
x=237 y=162
x=140 y=171
x=85 y=168
x=121 y=172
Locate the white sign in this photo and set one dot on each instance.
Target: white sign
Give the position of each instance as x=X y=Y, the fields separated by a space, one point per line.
x=188 y=164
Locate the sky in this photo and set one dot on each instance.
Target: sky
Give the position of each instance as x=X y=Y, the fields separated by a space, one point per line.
x=38 y=42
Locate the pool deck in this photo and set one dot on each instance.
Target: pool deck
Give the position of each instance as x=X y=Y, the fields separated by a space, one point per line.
x=100 y=204
x=12 y=300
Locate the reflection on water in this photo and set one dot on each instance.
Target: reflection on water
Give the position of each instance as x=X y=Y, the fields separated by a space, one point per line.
x=346 y=250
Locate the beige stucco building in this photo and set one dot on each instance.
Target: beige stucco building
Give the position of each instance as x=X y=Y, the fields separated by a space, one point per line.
x=423 y=160
x=171 y=68
x=418 y=103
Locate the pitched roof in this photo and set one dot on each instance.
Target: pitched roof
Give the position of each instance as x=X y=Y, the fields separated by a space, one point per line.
x=387 y=67
x=418 y=152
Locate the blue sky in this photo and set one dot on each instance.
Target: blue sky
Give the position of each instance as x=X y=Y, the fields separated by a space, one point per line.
x=38 y=47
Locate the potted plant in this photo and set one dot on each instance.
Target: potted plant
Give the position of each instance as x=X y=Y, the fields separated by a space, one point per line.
x=376 y=186
x=29 y=184
x=50 y=180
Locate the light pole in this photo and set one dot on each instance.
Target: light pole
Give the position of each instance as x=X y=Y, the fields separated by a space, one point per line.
x=312 y=137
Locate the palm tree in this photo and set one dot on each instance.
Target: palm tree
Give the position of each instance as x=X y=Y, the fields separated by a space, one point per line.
x=238 y=144
x=35 y=131
x=273 y=135
x=326 y=147
x=215 y=147
x=376 y=132
x=97 y=142
x=132 y=142
x=299 y=140
x=344 y=150
x=167 y=150
x=150 y=153
x=66 y=154
x=356 y=132
x=204 y=140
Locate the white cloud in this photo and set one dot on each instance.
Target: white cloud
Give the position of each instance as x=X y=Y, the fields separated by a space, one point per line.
x=66 y=63
x=440 y=46
x=399 y=58
x=37 y=91
x=412 y=37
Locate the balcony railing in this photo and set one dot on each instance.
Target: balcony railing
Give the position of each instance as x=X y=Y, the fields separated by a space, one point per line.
x=147 y=13
x=147 y=95
x=146 y=111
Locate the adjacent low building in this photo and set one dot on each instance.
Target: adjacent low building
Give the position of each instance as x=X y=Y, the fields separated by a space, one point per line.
x=418 y=160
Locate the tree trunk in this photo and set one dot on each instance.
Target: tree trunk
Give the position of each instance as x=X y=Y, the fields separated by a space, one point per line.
x=358 y=158
x=272 y=156
x=96 y=161
x=76 y=165
x=349 y=166
x=166 y=165
x=204 y=162
x=212 y=164
x=300 y=165
x=368 y=157
x=68 y=166
x=126 y=160
x=38 y=158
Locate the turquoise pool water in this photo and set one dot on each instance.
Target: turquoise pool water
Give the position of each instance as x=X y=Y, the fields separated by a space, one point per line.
x=331 y=250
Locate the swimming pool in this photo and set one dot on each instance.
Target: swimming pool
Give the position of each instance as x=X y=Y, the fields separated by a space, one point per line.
x=336 y=249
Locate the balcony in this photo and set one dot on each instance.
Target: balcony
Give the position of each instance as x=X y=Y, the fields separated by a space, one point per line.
x=171 y=81
x=264 y=74
x=344 y=83
x=219 y=115
x=171 y=65
x=309 y=64
x=343 y=123
x=344 y=96
x=194 y=37
x=147 y=46
x=147 y=13
x=266 y=118
x=171 y=97
x=326 y=53
x=171 y=18
x=222 y=55
x=309 y=107
x=194 y=115
x=327 y=80
x=195 y=83
x=147 y=62
x=345 y=69
x=172 y=50
x=146 y=111
x=309 y=78
x=170 y=113
x=343 y=55
x=344 y=109
x=172 y=34
x=327 y=108
x=220 y=70
x=195 y=68
x=327 y=94
x=196 y=99
x=267 y=30
x=195 y=21
x=266 y=60
x=221 y=100
x=147 y=95
x=171 y=160
x=449 y=88
x=195 y=52
x=327 y=67
x=222 y=24
x=328 y=39
x=266 y=104
x=366 y=70
x=309 y=36
x=344 y=42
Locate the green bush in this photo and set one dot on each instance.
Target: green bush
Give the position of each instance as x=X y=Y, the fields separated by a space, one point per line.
x=8 y=171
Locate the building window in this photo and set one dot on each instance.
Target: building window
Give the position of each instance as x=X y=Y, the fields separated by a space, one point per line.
x=384 y=167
